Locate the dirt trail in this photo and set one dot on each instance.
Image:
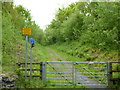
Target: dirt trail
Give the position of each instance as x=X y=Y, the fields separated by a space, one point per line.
x=80 y=78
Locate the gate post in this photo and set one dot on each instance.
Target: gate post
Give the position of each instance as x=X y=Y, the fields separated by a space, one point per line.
x=43 y=72
x=109 y=74
x=73 y=73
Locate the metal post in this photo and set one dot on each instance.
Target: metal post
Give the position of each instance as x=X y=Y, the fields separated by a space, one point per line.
x=73 y=73
x=44 y=73
x=31 y=59
x=26 y=54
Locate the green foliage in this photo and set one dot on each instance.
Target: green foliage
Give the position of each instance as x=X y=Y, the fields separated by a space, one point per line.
x=93 y=23
x=13 y=43
x=8 y=37
x=21 y=82
x=88 y=30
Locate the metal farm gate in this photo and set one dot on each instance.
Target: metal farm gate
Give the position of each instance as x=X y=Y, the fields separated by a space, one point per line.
x=88 y=74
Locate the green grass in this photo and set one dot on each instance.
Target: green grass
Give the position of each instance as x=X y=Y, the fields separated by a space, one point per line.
x=76 y=52
x=85 y=52
x=42 y=54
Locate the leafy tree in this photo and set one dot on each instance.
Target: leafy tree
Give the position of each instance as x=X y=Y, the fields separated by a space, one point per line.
x=90 y=22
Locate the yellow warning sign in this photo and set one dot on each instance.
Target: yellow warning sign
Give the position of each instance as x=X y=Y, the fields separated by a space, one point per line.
x=26 y=31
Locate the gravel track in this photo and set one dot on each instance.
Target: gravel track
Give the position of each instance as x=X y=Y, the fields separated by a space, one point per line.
x=80 y=78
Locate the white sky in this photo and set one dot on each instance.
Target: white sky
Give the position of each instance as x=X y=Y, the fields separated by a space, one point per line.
x=43 y=11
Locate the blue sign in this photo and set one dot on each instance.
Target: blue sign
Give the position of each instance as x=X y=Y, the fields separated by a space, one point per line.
x=32 y=40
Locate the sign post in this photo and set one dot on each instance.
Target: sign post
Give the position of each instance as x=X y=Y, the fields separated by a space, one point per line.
x=26 y=56
x=32 y=41
x=26 y=32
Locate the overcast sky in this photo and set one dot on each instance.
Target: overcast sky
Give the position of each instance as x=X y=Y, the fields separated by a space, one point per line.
x=43 y=11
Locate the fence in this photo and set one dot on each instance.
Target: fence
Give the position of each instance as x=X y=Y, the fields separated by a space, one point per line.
x=89 y=74
x=114 y=67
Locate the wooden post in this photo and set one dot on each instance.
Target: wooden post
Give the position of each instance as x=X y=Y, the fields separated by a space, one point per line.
x=41 y=70
x=110 y=73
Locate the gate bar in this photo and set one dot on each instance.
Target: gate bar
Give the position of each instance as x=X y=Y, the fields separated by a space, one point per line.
x=59 y=62
x=91 y=62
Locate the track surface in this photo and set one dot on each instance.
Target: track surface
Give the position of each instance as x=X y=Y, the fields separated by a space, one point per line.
x=80 y=78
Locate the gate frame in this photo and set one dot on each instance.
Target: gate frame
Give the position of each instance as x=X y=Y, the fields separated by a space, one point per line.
x=43 y=70
x=74 y=73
